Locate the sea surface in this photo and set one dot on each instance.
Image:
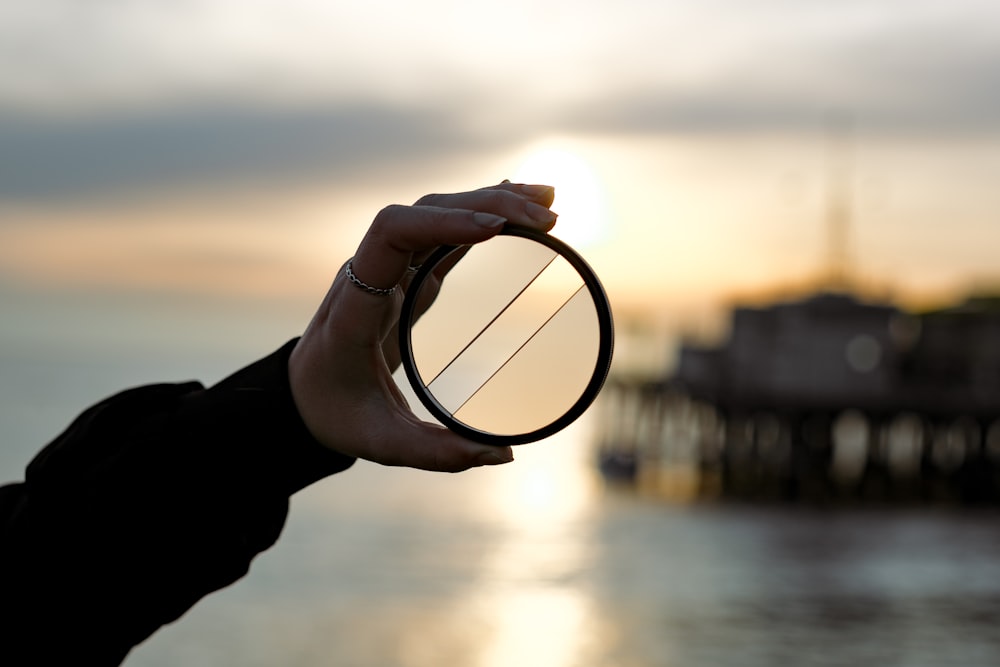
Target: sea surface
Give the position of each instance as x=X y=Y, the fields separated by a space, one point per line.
x=534 y=563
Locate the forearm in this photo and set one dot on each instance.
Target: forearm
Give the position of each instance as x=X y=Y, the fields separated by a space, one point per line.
x=149 y=501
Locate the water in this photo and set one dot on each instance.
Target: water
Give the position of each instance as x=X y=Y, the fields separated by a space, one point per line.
x=414 y=572
x=534 y=563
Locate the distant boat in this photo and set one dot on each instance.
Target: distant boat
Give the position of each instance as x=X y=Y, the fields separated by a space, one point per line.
x=618 y=465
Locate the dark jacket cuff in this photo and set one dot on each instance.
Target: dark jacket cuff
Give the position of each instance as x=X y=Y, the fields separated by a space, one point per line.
x=253 y=416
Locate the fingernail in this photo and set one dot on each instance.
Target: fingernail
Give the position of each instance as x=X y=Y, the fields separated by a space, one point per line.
x=538 y=191
x=539 y=213
x=488 y=220
x=495 y=457
x=506 y=180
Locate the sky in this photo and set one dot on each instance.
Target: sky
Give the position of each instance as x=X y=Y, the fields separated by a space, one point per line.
x=224 y=150
x=188 y=176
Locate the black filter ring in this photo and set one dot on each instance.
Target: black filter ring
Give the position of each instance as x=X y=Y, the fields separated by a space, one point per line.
x=601 y=367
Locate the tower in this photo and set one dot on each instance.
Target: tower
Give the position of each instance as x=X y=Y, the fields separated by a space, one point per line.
x=838 y=204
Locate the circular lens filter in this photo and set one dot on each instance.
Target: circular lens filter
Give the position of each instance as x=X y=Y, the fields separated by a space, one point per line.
x=517 y=341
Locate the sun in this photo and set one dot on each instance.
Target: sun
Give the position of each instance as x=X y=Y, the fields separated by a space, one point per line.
x=580 y=199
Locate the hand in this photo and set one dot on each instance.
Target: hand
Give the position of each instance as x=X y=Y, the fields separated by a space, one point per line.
x=341 y=369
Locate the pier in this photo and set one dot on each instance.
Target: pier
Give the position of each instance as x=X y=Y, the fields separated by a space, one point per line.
x=827 y=399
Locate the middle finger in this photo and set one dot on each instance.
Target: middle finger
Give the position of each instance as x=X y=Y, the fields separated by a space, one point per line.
x=526 y=205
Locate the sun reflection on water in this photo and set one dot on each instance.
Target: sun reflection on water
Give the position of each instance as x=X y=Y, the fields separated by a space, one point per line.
x=492 y=567
x=537 y=627
x=532 y=594
x=550 y=481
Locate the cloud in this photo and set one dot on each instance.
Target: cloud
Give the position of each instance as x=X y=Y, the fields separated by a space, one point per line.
x=293 y=105
x=949 y=110
x=934 y=73
x=47 y=157
x=888 y=94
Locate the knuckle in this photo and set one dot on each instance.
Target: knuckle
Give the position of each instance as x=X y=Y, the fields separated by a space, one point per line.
x=428 y=200
x=447 y=461
x=385 y=220
x=388 y=213
x=499 y=198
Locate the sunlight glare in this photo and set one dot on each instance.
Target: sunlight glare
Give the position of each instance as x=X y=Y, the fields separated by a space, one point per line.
x=530 y=590
x=580 y=198
x=539 y=625
x=552 y=484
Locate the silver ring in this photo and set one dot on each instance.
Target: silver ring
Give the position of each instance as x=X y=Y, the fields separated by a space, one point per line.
x=377 y=291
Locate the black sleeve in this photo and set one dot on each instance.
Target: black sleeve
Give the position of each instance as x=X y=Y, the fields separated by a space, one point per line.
x=150 y=500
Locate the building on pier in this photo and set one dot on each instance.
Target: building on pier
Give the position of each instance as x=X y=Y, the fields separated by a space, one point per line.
x=827 y=398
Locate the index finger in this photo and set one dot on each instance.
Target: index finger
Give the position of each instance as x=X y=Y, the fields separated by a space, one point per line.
x=400 y=231
x=526 y=205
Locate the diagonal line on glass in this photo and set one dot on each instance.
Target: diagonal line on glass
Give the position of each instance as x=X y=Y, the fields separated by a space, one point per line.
x=492 y=321
x=522 y=346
